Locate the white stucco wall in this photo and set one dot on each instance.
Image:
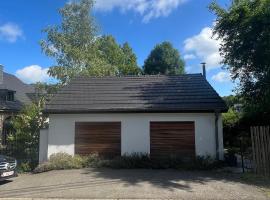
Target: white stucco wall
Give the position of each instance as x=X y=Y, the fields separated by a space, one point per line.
x=135 y=130
x=43 y=145
x=220 y=136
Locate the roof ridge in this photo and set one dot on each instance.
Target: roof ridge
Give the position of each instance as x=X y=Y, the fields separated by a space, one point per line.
x=137 y=76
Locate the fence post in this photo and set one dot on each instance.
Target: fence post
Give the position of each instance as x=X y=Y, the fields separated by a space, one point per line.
x=253 y=150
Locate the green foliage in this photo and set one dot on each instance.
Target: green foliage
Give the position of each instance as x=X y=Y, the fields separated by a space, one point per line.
x=95 y=161
x=24 y=141
x=129 y=66
x=77 y=49
x=71 y=44
x=230 y=118
x=24 y=167
x=244 y=29
x=164 y=59
x=202 y=163
x=121 y=57
x=44 y=167
x=134 y=161
x=61 y=161
x=232 y=100
x=65 y=161
x=231 y=122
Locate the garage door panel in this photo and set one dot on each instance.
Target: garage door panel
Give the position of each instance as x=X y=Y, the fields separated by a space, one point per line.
x=172 y=125
x=172 y=136
x=172 y=139
x=103 y=138
x=100 y=149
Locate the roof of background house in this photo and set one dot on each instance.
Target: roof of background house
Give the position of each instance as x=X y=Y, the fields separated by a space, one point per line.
x=157 y=93
x=22 y=92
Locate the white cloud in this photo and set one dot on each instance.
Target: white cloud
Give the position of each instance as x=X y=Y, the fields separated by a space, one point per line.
x=148 y=9
x=10 y=32
x=221 y=77
x=33 y=74
x=189 y=56
x=204 y=47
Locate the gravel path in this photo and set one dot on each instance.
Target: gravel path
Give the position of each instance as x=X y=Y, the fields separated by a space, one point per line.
x=132 y=184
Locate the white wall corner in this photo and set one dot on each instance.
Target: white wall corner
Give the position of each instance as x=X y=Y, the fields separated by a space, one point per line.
x=220 y=137
x=43 y=145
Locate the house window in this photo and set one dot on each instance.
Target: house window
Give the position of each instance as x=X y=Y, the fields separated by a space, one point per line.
x=10 y=96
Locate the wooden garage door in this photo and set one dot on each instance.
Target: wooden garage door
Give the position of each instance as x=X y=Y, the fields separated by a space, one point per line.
x=103 y=138
x=172 y=139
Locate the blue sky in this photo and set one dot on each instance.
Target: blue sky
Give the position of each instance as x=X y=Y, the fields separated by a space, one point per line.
x=142 y=23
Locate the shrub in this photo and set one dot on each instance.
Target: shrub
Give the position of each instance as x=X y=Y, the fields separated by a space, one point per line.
x=134 y=161
x=94 y=160
x=79 y=162
x=171 y=161
x=62 y=161
x=44 y=167
x=24 y=167
x=23 y=135
x=140 y=160
x=66 y=161
x=202 y=163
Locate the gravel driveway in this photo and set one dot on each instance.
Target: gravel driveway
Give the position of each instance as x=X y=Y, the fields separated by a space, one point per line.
x=141 y=184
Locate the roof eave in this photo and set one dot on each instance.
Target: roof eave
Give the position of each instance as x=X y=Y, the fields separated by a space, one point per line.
x=132 y=111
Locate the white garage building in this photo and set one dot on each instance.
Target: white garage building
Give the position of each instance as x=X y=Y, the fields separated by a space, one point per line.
x=158 y=115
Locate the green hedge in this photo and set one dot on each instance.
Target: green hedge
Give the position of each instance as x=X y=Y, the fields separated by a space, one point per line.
x=61 y=161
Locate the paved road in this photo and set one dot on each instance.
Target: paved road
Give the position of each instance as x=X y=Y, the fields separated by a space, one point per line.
x=142 y=184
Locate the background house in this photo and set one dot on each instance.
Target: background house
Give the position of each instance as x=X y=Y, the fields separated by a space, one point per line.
x=158 y=115
x=13 y=95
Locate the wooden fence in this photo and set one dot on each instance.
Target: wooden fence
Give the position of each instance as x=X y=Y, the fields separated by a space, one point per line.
x=260 y=138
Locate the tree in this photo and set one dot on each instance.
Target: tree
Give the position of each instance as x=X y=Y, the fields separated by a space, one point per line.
x=244 y=29
x=130 y=66
x=232 y=100
x=231 y=122
x=230 y=118
x=77 y=49
x=72 y=44
x=121 y=57
x=164 y=59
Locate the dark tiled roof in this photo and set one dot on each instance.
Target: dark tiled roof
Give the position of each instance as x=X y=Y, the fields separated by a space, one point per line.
x=11 y=82
x=10 y=106
x=183 y=93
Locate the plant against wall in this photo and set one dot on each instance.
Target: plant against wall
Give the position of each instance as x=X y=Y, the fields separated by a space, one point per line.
x=23 y=143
